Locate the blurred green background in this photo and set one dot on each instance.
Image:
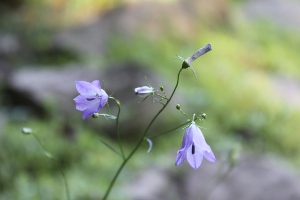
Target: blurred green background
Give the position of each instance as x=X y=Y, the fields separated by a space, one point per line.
x=248 y=85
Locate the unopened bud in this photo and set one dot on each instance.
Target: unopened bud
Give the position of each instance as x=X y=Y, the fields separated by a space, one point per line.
x=118 y=102
x=95 y=115
x=161 y=88
x=188 y=62
x=234 y=155
x=143 y=91
x=178 y=106
x=26 y=130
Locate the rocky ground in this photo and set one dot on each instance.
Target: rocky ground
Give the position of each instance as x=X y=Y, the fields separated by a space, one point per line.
x=254 y=177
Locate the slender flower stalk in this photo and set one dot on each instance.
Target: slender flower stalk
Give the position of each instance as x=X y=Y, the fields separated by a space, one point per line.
x=173 y=129
x=28 y=131
x=140 y=140
x=117 y=127
x=60 y=169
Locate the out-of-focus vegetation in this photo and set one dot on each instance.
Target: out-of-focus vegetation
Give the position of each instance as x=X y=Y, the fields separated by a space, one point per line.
x=234 y=88
x=235 y=79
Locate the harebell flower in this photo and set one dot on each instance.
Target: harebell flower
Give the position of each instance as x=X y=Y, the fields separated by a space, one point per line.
x=194 y=147
x=91 y=99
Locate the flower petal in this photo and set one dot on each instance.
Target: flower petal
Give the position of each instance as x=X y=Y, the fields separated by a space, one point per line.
x=96 y=83
x=85 y=88
x=194 y=156
x=200 y=142
x=187 y=139
x=87 y=113
x=104 y=98
x=143 y=90
x=181 y=155
x=198 y=137
x=81 y=103
x=209 y=155
x=92 y=108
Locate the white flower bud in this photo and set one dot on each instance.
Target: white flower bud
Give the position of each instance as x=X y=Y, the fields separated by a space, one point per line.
x=188 y=62
x=143 y=91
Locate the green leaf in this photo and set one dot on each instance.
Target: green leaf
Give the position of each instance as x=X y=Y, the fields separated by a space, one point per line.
x=110 y=147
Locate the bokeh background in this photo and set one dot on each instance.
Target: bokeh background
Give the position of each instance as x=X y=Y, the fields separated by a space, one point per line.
x=248 y=86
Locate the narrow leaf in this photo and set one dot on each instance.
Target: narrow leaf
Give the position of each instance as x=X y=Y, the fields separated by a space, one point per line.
x=150 y=145
x=144 y=99
x=107 y=116
x=194 y=73
x=110 y=147
x=48 y=154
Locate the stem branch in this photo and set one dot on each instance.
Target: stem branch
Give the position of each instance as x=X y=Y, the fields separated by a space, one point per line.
x=140 y=140
x=117 y=128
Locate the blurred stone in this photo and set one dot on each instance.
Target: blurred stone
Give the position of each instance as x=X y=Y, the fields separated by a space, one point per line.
x=20 y=104
x=255 y=177
x=288 y=90
x=5 y=71
x=56 y=88
x=58 y=84
x=9 y=45
x=151 y=184
x=51 y=85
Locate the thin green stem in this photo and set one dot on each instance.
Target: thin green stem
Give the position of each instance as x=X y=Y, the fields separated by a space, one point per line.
x=66 y=183
x=117 y=128
x=37 y=139
x=154 y=136
x=162 y=97
x=108 y=107
x=61 y=171
x=185 y=114
x=140 y=141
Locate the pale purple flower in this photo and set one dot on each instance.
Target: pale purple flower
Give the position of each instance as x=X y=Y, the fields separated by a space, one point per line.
x=143 y=91
x=188 y=62
x=91 y=99
x=194 y=147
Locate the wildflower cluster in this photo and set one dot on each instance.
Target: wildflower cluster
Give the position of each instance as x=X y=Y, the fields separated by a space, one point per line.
x=92 y=98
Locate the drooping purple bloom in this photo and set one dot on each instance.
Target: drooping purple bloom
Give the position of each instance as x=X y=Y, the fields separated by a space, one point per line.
x=143 y=91
x=91 y=99
x=194 y=147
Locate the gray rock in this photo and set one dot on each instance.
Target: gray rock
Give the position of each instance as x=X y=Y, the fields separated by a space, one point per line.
x=288 y=90
x=9 y=45
x=255 y=177
x=151 y=184
x=56 y=87
x=51 y=85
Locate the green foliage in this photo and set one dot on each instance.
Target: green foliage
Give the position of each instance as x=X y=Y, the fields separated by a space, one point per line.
x=26 y=173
